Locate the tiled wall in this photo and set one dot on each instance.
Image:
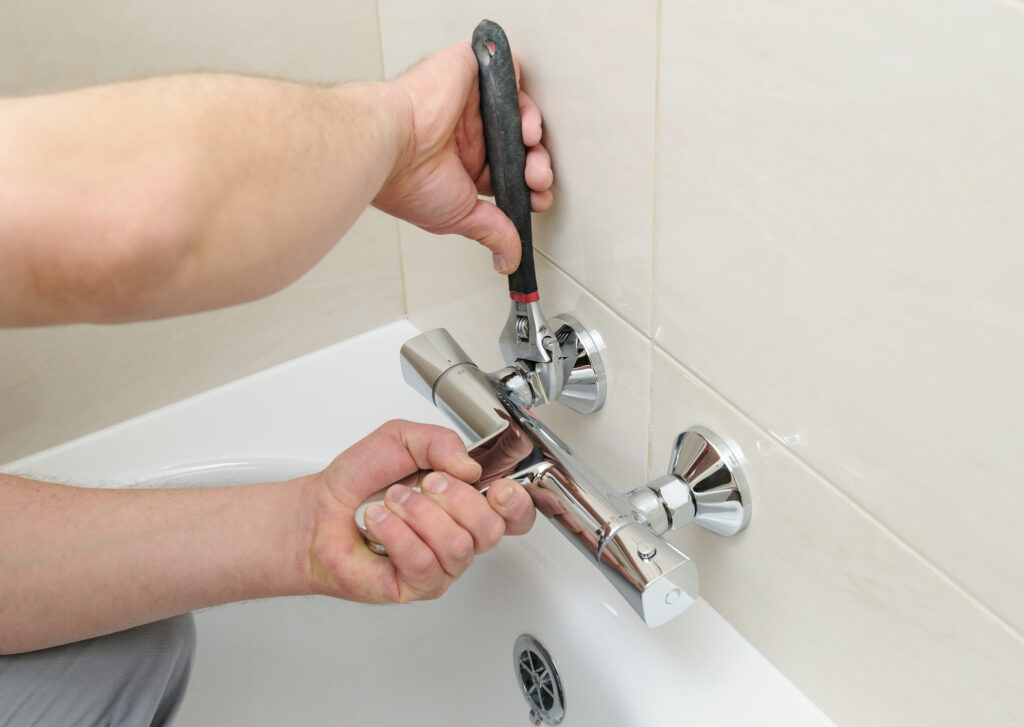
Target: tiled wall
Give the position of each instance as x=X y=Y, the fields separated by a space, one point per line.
x=798 y=223
x=59 y=383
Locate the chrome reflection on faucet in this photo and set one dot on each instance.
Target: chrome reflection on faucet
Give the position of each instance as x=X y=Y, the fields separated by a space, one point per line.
x=619 y=532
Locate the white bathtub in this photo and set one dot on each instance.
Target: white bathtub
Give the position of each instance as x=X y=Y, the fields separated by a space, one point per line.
x=317 y=661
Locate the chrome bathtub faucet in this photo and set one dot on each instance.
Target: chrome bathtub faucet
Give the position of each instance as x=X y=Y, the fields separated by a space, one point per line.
x=619 y=532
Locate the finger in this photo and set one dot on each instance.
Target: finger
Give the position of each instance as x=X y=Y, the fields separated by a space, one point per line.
x=435 y=448
x=489 y=226
x=452 y=546
x=541 y=201
x=483 y=182
x=396 y=450
x=418 y=573
x=511 y=501
x=538 y=169
x=536 y=177
x=468 y=508
x=531 y=119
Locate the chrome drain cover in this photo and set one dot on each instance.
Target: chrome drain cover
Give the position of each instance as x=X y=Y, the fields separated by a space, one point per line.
x=538 y=680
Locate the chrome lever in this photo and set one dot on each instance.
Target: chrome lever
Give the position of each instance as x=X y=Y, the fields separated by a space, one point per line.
x=705 y=485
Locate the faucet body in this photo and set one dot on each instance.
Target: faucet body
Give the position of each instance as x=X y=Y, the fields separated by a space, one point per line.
x=619 y=532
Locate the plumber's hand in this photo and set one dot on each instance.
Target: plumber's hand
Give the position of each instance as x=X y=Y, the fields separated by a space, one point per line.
x=431 y=537
x=436 y=182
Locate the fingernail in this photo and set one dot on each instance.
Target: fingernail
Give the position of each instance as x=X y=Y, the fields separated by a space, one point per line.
x=435 y=483
x=506 y=495
x=376 y=513
x=399 y=493
x=500 y=264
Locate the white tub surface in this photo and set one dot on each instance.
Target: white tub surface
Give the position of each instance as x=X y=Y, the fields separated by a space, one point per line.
x=317 y=661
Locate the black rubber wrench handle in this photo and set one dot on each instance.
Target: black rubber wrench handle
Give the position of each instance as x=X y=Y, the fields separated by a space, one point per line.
x=506 y=152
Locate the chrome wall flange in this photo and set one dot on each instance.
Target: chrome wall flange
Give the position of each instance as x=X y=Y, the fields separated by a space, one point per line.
x=711 y=469
x=586 y=385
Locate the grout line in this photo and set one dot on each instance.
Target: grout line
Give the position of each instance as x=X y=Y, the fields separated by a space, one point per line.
x=380 y=41
x=650 y=408
x=398 y=225
x=858 y=507
x=654 y=166
x=656 y=124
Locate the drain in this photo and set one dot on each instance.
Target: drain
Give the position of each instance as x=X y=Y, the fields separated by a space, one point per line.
x=538 y=680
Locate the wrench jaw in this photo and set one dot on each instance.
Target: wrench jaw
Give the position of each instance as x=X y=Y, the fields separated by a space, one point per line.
x=529 y=344
x=560 y=363
x=522 y=338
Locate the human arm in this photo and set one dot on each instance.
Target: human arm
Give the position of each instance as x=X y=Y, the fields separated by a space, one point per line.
x=78 y=562
x=174 y=195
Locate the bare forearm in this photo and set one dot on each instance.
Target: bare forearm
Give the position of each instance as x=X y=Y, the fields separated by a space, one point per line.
x=76 y=562
x=185 y=193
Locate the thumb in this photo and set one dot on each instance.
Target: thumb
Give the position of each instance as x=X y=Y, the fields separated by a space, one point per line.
x=492 y=228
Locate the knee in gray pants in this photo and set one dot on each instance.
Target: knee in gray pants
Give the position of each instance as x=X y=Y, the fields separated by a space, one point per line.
x=129 y=679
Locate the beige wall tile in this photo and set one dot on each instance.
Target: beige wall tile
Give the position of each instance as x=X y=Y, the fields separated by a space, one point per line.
x=863 y=626
x=450 y=284
x=60 y=383
x=591 y=68
x=838 y=251
x=55 y=44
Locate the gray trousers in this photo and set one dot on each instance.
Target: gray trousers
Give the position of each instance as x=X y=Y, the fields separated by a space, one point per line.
x=128 y=679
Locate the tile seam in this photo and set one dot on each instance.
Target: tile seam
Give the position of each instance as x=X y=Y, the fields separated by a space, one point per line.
x=652 y=298
x=656 y=130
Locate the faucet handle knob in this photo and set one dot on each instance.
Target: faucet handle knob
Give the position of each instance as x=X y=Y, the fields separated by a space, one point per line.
x=704 y=485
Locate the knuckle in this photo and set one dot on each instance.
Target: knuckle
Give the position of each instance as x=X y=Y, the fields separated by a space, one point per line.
x=491 y=532
x=462 y=547
x=422 y=563
x=391 y=425
x=423 y=591
x=450 y=438
x=405 y=595
x=437 y=591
